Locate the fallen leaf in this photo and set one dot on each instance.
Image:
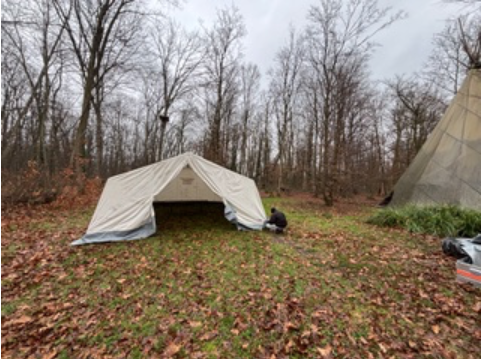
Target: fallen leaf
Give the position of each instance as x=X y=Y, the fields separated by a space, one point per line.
x=477 y=307
x=235 y=331
x=305 y=333
x=172 y=349
x=22 y=320
x=435 y=329
x=50 y=355
x=326 y=351
x=288 y=326
x=209 y=336
x=383 y=348
x=288 y=346
x=195 y=324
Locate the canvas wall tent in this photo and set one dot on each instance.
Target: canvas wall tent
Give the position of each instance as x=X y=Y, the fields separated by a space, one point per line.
x=125 y=209
x=447 y=169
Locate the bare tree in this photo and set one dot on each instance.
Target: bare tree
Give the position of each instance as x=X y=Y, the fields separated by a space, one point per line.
x=456 y=49
x=321 y=126
x=178 y=55
x=417 y=109
x=32 y=33
x=93 y=29
x=285 y=87
x=339 y=42
x=224 y=51
x=250 y=82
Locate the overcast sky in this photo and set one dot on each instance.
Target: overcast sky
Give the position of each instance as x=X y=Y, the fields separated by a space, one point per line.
x=405 y=46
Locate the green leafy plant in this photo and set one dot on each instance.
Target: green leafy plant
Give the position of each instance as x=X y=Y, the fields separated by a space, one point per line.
x=436 y=220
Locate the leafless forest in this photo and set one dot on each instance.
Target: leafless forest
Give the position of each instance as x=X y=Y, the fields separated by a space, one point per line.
x=92 y=88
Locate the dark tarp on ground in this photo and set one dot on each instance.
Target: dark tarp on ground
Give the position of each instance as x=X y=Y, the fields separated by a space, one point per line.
x=464 y=247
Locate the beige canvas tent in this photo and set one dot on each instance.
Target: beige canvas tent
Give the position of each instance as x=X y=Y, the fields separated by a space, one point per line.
x=447 y=169
x=125 y=210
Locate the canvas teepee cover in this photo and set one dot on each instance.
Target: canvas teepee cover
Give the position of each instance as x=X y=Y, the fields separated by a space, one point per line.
x=125 y=209
x=447 y=169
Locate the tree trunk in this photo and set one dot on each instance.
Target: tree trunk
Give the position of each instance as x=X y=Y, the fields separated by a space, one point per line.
x=163 y=126
x=99 y=141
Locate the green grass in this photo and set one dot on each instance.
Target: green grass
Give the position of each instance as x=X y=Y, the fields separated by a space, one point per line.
x=8 y=308
x=435 y=220
x=213 y=291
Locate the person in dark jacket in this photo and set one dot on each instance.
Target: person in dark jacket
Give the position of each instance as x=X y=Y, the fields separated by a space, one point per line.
x=277 y=222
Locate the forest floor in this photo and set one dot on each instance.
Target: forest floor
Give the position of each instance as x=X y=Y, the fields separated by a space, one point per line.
x=333 y=286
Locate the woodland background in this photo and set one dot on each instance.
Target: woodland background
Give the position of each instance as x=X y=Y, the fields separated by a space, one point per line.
x=92 y=88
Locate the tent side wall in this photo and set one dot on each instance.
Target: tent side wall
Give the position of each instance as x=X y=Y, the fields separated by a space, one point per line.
x=125 y=209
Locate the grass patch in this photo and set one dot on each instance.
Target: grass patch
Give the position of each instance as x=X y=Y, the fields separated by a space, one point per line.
x=200 y=288
x=8 y=308
x=439 y=221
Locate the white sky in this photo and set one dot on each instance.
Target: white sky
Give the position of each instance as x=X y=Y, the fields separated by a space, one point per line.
x=405 y=46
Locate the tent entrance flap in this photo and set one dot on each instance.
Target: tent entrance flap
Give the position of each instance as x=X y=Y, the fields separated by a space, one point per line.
x=187 y=186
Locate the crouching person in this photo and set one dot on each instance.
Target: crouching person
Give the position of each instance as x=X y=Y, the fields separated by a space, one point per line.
x=277 y=223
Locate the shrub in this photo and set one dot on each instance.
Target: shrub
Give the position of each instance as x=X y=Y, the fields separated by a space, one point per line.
x=35 y=186
x=436 y=220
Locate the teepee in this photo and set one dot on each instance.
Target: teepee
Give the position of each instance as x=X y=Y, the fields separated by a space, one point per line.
x=447 y=169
